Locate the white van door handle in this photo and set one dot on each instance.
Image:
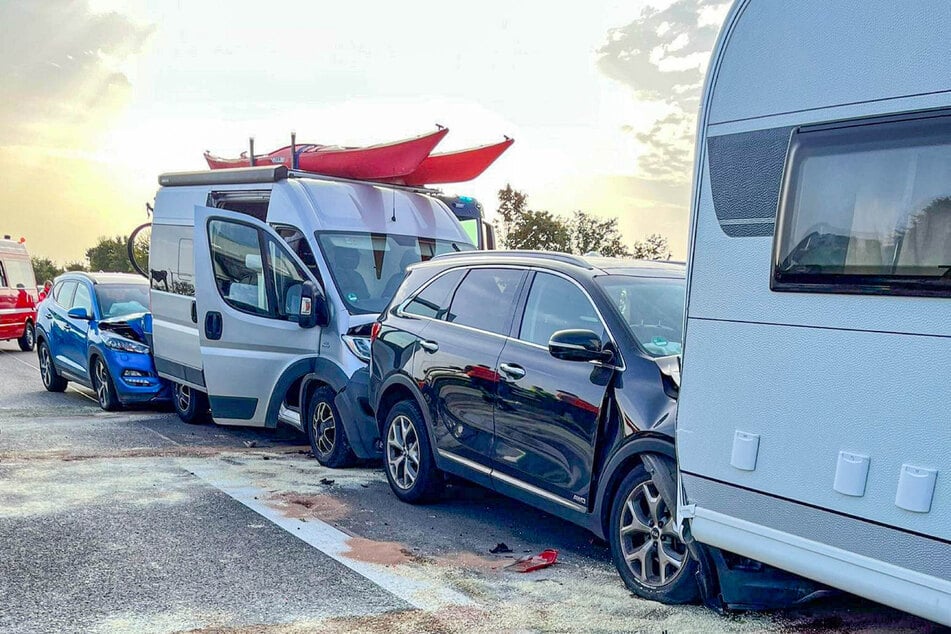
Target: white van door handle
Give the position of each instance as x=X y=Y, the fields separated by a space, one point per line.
x=429 y=346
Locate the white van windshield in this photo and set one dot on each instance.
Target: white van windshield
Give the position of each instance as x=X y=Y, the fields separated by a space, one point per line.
x=367 y=268
x=652 y=308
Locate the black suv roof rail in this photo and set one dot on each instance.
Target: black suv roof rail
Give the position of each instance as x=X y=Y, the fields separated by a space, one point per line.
x=565 y=258
x=264 y=174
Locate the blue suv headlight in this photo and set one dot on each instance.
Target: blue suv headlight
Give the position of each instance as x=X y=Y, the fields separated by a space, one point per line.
x=125 y=345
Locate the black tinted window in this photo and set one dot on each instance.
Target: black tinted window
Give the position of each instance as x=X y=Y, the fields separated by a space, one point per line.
x=433 y=301
x=486 y=300
x=867 y=208
x=554 y=304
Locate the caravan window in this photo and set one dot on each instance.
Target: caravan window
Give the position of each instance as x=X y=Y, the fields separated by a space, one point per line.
x=867 y=209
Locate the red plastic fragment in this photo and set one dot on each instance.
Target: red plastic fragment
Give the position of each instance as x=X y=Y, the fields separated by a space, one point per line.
x=535 y=562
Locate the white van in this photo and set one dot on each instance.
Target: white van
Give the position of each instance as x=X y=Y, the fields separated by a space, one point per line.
x=814 y=425
x=264 y=283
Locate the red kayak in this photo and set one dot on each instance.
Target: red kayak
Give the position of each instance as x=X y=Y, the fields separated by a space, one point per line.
x=372 y=162
x=455 y=167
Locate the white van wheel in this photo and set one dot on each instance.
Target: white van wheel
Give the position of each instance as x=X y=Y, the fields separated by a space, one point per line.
x=190 y=405
x=328 y=438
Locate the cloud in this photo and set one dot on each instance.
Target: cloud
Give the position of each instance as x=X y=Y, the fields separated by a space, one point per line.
x=662 y=57
x=61 y=68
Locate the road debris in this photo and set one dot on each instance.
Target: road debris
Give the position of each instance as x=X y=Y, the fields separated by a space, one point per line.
x=544 y=559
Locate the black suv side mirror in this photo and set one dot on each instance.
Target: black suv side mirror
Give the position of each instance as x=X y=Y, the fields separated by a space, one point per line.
x=578 y=345
x=313 y=307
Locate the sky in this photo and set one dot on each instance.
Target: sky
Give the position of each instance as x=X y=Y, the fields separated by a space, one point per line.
x=101 y=96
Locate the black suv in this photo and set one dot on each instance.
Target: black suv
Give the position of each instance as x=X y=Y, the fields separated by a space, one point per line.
x=550 y=378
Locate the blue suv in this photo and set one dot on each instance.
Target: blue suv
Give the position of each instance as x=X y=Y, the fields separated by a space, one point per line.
x=94 y=329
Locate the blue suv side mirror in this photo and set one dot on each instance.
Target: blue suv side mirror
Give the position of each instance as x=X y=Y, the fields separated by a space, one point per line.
x=79 y=313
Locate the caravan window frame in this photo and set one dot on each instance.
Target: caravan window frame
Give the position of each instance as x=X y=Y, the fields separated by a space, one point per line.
x=889 y=132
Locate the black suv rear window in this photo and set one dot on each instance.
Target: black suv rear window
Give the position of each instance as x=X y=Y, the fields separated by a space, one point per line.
x=486 y=300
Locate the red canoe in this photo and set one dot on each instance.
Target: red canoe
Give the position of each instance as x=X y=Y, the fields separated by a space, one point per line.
x=372 y=162
x=455 y=167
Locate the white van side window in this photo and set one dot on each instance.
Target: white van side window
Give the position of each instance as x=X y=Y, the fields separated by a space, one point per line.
x=3 y=277
x=238 y=266
x=171 y=260
x=254 y=273
x=867 y=209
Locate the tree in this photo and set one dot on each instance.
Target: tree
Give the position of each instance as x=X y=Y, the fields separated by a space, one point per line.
x=654 y=247
x=76 y=266
x=590 y=234
x=44 y=269
x=524 y=228
x=512 y=204
x=110 y=254
x=539 y=230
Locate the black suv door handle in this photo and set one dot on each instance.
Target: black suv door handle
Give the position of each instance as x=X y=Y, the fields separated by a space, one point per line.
x=512 y=370
x=194 y=312
x=429 y=346
x=213 y=325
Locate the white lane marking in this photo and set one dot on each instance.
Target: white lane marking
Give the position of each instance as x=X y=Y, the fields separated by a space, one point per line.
x=30 y=365
x=422 y=594
x=158 y=433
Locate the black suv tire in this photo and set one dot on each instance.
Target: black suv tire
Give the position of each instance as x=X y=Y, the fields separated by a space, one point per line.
x=328 y=438
x=405 y=445
x=646 y=551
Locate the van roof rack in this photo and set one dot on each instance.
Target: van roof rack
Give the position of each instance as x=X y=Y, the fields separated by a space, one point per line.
x=305 y=174
x=565 y=258
x=265 y=174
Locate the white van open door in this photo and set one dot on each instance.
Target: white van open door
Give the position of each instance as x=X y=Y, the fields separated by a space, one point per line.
x=248 y=288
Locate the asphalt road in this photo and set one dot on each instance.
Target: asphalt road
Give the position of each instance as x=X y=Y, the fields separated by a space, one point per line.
x=134 y=521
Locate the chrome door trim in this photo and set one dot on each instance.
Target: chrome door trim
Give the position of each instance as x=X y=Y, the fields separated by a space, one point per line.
x=525 y=486
x=475 y=466
x=534 y=490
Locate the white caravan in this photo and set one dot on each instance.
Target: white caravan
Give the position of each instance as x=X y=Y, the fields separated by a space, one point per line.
x=264 y=283
x=814 y=424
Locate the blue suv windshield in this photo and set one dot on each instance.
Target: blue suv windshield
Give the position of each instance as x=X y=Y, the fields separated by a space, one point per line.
x=118 y=300
x=368 y=267
x=652 y=308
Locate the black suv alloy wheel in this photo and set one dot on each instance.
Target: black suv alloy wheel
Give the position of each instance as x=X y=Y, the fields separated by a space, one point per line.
x=407 y=456
x=647 y=550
